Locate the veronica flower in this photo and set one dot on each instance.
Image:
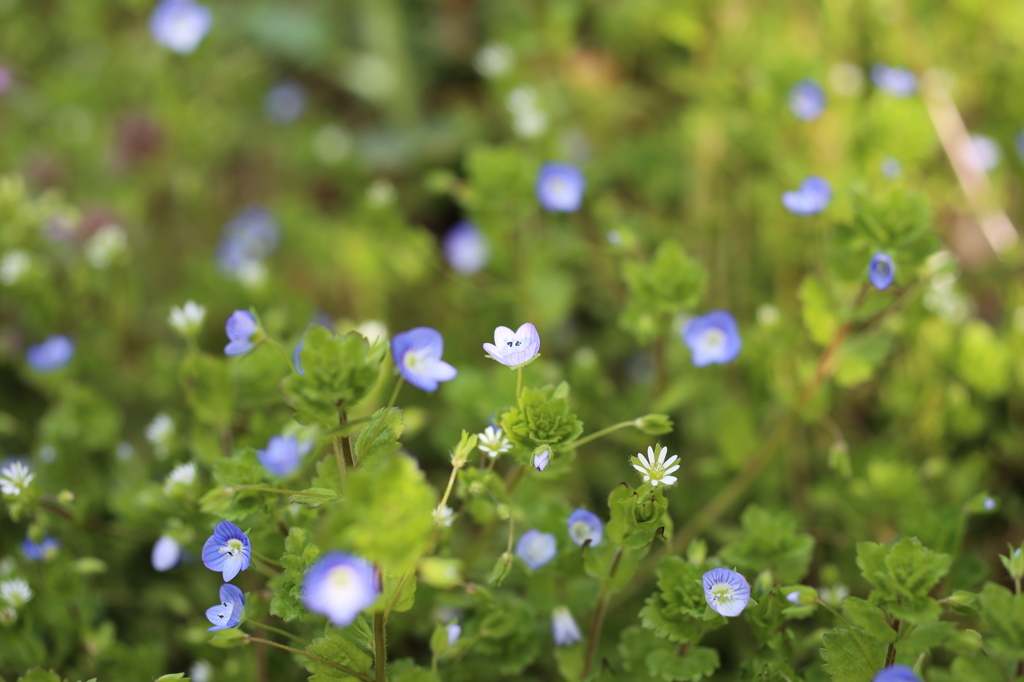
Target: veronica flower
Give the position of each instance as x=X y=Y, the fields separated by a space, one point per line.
x=417 y=353
x=282 y=456
x=713 y=338
x=564 y=629
x=542 y=459
x=240 y=327
x=166 y=554
x=806 y=100
x=454 y=631
x=896 y=673
x=42 y=550
x=560 y=187
x=891 y=167
x=989 y=504
x=339 y=586
x=986 y=150
x=228 y=612
x=187 y=319
x=15 y=592
x=726 y=592
x=465 y=248
x=51 y=354
x=248 y=238
x=536 y=548
x=297 y=357
x=794 y=598
x=180 y=25
x=493 y=442
x=514 y=348
x=811 y=198
x=656 y=472
x=106 y=244
x=895 y=80
x=585 y=525
x=227 y=550
x=15 y=478
x=285 y=102
x=881 y=271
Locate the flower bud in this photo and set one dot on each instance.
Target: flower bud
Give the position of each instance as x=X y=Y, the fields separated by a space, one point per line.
x=654 y=424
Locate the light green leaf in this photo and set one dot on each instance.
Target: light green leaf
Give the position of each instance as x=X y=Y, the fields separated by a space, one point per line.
x=337 y=649
x=852 y=656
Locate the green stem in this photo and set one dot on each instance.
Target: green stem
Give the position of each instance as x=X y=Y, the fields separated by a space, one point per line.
x=519 y=383
x=264 y=558
x=273 y=342
x=380 y=648
x=598 y=434
x=336 y=666
x=448 y=490
x=341 y=466
x=890 y=654
x=597 y=620
x=279 y=631
x=280 y=491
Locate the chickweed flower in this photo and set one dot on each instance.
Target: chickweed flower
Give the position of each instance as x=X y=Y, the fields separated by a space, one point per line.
x=894 y=80
x=187 y=319
x=109 y=242
x=13 y=266
x=15 y=592
x=713 y=338
x=811 y=198
x=180 y=25
x=560 y=187
x=564 y=629
x=50 y=355
x=465 y=248
x=585 y=525
x=15 y=478
x=896 y=673
x=228 y=612
x=227 y=550
x=726 y=592
x=806 y=100
x=339 y=586
x=536 y=548
x=282 y=455
x=514 y=348
x=43 y=550
x=159 y=433
x=181 y=476
x=166 y=554
x=881 y=271
x=656 y=471
x=444 y=516
x=493 y=442
x=240 y=328
x=542 y=459
x=417 y=353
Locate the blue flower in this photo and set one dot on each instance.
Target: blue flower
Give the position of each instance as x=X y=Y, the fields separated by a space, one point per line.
x=465 y=248
x=713 y=338
x=564 y=629
x=250 y=236
x=180 y=25
x=514 y=348
x=1018 y=143
x=227 y=550
x=51 y=354
x=339 y=586
x=454 y=631
x=417 y=353
x=166 y=554
x=282 y=455
x=881 y=272
x=240 y=327
x=896 y=673
x=285 y=102
x=536 y=548
x=228 y=612
x=40 y=551
x=806 y=100
x=813 y=197
x=891 y=167
x=560 y=187
x=726 y=592
x=585 y=525
x=987 y=152
x=895 y=80
x=542 y=459
x=297 y=357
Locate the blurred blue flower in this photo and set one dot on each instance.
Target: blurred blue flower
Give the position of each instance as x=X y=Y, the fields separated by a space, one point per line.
x=285 y=102
x=895 y=80
x=454 y=631
x=282 y=455
x=339 y=586
x=417 y=353
x=240 y=328
x=1018 y=143
x=560 y=187
x=987 y=152
x=51 y=354
x=228 y=612
x=297 y=356
x=813 y=196
x=564 y=629
x=726 y=592
x=713 y=338
x=891 y=167
x=585 y=525
x=166 y=554
x=806 y=99
x=180 y=25
x=881 y=271
x=227 y=550
x=542 y=459
x=38 y=551
x=465 y=248
x=513 y=348
x=896 y=673
x=536 y=548
x=248 y=238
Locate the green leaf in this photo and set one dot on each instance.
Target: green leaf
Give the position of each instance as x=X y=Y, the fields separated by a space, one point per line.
x=699 y=662
x=770 y=542
x=405 y=598
x=385 y=428
x=206 y=381
x=635 y=518
x=979 y=668
x=314 y=497
x=299 y=555
x=569 y=660
x=852 y=656
x=406 y=670
x=676 y=611
x=175 y=676
x=870 y=618
x=40 y=675
x=903 y=576
x=1003 y=612
x=670 y=283
x=924 y=637
x=818 y=310
x=227 y=639
x=337 y=649
x=542 y=417
x=984 y=361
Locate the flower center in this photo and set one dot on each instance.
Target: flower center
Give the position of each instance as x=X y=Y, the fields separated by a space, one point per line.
x=882 y=267
x=580 y=530
x=233 y=548
x=414 y=360
x=722 y=593
x=341 y=577
x=714 y=338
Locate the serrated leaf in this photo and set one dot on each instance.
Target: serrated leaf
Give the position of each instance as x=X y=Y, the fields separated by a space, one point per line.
x=872 y=619
x=977 y=668
x=402 y=599
x=1003 y=612
x=314 y=497
x=770 y=542
x=384 y=428
x=699 y=662
x=852 y=656
x=924 y=637
x=337 y=649
x=228 y=639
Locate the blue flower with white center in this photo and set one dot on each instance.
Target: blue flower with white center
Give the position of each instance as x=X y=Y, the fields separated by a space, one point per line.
x=166 y=554
x=806 y=100
x=896 y=673
x=891 y=167
x=417 y=353
x=282 y=455
x=727 y=592
x=180 y=25
x=250 y=237
x=536 y=548
x=43 y=550
x=894 y=80
x=240 y=327
x=339 y=586
x=50 y=355
x=227 y=550
x=811 y=198
x=514 y=348
x=881 y=271
x=465 y=248
x=713 y=338
x=228 y=613
x=285 y=102
x=564 y=629
x=584 y=526
x=542 y=459
x=560 y=187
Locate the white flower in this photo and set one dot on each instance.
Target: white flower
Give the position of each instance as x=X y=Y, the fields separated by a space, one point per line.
x=656 y=472
x=183 y=474
x=252 y=274
x=159 y=432
x=15 y=592
x=15 y=478
x=373 y=330
x=187 y=319
x=444 y=516
x=563 y=627
x=834 y=595
x=201 y=671
x=13 y=266
x=493 y=59
x=109 y=242
x=542 y=459
x=528 y=119
x=493 y=442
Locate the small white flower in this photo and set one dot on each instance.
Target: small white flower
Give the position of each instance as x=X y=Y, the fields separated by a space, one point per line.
x=187 y=319
x=493 y=59
x=159 y=433
x=124 y=451
x=444 y=516
x=13 y=266
x=563 y=627
x=109 y=242
x=373 y=330
x=201 y=671
x=15 y=592
x=656 y=472
x=381 y=192
x=14 y=478
x=183 y=475
x=252 y=274
x=493 y=442
x=834 y=595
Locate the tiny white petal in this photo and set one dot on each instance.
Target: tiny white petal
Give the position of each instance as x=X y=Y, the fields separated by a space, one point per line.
x=671 y=459
x=669 y=471
x=669 y=480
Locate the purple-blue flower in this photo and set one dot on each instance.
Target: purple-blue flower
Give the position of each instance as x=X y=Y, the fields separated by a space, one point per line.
x=417 y=353
x=806 y=99
x=51 y=354
x=248 y=238
x=180 y=25
x=465 y=248
x=564 y=629
x=811 y=198
x=285 y=102
x=166 y=554
x=536 y=548
x=726 y=592
x=240 y=327
x=560 y=187
x=585 y=525
x=514 y=348
x=297 y=357
x=896 y=673
x=881 y=272
x=713 y=338
x=282 y=455
x=542 y=459
x=228 y=612
x=227 y=550
x=454 y=631
x=339 y=586
x=895 y=80
x=38 y=551
x=891 y=167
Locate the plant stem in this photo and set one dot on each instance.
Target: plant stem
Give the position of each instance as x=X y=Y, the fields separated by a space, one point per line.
x=341 y=466
x=279 y=491
x=380 y=648
x=598 y=434
x=394 y=597
x=273 y=342
x=346 y=441
x=513 y=478
x=448 y=490
x=279 y=631
x=336 y=666
x=265 y=559
x=890 y=654
x=519 y=382
x=597 y=620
